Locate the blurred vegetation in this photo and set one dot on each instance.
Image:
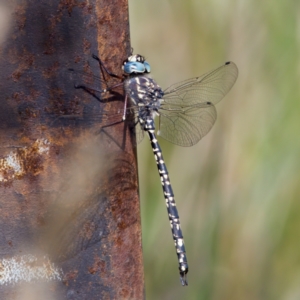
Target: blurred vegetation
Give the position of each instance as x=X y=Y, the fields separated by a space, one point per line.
x=238 y=189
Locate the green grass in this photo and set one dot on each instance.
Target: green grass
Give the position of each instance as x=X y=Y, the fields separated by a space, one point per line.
x=238 y=189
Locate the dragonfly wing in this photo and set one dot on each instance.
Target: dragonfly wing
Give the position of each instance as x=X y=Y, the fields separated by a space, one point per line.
x=187 y=111
x=185 y=126
x=92 y=84
x=139 y=133
x=210 y=87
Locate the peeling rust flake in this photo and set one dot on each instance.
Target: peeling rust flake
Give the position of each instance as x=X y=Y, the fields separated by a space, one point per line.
x=24 y=161
x=28 y=268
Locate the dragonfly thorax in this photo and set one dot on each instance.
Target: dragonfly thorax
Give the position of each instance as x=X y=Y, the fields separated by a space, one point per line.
x=144 y=93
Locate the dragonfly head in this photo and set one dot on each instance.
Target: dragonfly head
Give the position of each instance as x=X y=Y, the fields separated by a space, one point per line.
x=136 y=64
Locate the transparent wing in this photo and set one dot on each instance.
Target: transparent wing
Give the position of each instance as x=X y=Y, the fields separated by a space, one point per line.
x=80 y=78
x=210 y=87
x=95 y=86
x=187 y=112
x=92 y=83
x=185 y=126
x=136 y=127
x=131 y=116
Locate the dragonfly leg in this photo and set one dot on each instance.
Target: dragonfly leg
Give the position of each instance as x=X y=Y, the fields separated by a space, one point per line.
x=125 y=107
x=102 y=67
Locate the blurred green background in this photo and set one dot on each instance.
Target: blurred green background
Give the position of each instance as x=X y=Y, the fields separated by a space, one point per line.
x=238 y=189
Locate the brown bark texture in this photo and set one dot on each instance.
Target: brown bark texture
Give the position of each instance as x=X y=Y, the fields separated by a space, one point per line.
x=69 y=206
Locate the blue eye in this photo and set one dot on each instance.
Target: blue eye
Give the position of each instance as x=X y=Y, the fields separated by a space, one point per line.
x=134 y=67
x=147 y=67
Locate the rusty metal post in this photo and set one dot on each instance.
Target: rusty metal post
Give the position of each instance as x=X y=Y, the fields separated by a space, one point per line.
x=69 y=207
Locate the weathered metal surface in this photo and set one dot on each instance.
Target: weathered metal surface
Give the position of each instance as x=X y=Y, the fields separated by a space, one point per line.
x=69 y=209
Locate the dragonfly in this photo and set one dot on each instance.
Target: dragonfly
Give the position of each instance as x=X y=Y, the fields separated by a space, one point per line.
x=186 y=112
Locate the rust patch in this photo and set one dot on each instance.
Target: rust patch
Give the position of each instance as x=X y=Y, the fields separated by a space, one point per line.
x=98 y=266
x=20 y=15
x=20 y=97
x=68 y=5
x=26 y=62
x=87 y=230
x=77 y=58
x=57 y=104
x=51 y=71
x=24 y=161
x=70 y=276
x=86 y=46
